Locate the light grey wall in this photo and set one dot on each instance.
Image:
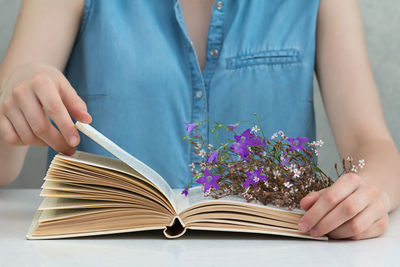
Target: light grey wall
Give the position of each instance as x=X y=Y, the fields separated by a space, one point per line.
x=382 y=27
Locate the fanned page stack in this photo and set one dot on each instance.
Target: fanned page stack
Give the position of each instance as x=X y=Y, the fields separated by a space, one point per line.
x=87 y=194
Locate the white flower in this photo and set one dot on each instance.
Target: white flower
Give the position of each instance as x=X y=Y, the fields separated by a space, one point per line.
x=203 y=165
x=354 y=168
x=275 y=135
x=316 y=152
x=210 y=146
x=264 y=154
x=276 y=173
x=349 y=158
x=292 y=167
x=191 y=165
x=296 y=173
x=288 y=184
x=202 y=153
x=361 y=163
x=255 y=129
x=281 y=133
x=207 y=193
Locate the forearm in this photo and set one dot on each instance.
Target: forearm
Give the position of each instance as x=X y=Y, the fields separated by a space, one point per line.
x=382 y=166
x=11 y=162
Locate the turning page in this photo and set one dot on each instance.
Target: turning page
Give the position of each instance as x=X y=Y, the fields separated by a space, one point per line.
x=133 y=162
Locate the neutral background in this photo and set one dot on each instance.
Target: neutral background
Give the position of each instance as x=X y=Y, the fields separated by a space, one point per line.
x=382 y=27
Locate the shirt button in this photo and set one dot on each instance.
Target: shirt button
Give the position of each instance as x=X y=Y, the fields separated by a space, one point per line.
x=214 y=52
x=199 y=93
x=219 y=5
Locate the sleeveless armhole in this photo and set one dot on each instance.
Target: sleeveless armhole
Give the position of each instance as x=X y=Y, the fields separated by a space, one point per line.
x=85 y=17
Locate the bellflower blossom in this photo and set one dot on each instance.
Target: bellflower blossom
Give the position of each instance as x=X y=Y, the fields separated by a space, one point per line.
x=284 y=159
x=213 y=157
x=208 y=180
x=244 y=140
x=297 y=143
x=232 y=127
x=190 y=127
x=254 y=177
x=185 y=192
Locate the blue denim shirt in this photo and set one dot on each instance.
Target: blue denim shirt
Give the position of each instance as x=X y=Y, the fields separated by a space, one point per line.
x=136 y=68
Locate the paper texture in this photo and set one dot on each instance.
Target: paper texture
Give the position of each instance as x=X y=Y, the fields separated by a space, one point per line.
x=133 y=162
x=196 y=196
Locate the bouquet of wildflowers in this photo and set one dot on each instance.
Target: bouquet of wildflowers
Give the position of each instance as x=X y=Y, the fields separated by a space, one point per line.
x=280 y=170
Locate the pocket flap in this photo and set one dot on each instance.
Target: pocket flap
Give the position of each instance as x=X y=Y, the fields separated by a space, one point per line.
x=264 y=58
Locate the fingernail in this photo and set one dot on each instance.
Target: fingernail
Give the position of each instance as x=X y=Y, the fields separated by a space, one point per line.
x=89 y=116
x=303 y=226
x=73 y=140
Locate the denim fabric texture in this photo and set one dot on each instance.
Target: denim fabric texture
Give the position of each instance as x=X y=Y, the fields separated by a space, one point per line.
x=136 y=68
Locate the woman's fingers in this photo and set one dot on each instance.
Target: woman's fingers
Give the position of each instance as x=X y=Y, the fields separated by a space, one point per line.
x=309 y=200
x=8 y=133
x=376 y=229
x=48 y=95
x=361 y=223
x=40 y=125
x=74 y=104
x=341 y=189
x=28 y=94
x=21 y=127
x=344 y=211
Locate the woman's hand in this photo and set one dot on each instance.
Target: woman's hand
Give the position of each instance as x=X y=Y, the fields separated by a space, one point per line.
x=352 y=207
x=28 y=96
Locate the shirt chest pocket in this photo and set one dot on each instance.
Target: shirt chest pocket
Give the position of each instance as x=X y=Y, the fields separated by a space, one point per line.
x=92 y=93
x=264 y=58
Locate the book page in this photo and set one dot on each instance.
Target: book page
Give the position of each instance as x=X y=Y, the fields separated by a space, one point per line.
x=133 y=162
x=196 y=196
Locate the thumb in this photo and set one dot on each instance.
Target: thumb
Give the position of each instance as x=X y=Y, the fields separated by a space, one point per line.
x=74 y=104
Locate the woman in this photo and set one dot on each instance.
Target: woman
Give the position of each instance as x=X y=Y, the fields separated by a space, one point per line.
x=145 y=67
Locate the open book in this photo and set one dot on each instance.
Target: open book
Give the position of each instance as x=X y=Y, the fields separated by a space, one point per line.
x=87 y=194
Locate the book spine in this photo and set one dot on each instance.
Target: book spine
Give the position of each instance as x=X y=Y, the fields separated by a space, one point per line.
x=175 y=229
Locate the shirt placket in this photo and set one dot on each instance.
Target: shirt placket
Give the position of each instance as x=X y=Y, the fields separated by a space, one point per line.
x=200 y=81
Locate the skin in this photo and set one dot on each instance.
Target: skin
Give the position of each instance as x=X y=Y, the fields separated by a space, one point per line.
x=30 y=77
x=356 y=206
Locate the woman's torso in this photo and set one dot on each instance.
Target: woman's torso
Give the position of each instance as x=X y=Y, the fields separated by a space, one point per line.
x=136 y=68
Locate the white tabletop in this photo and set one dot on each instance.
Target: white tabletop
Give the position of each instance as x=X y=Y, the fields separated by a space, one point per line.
x=195 y=248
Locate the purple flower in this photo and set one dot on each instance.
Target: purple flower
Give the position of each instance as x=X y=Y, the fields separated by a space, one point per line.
x=244 y=140
x=284 y=159
x=232 y=127
x=190 y=127
x=185 y=192
x=254 y=177
x=213 y=157
x=208 y=180
x=297 y=143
